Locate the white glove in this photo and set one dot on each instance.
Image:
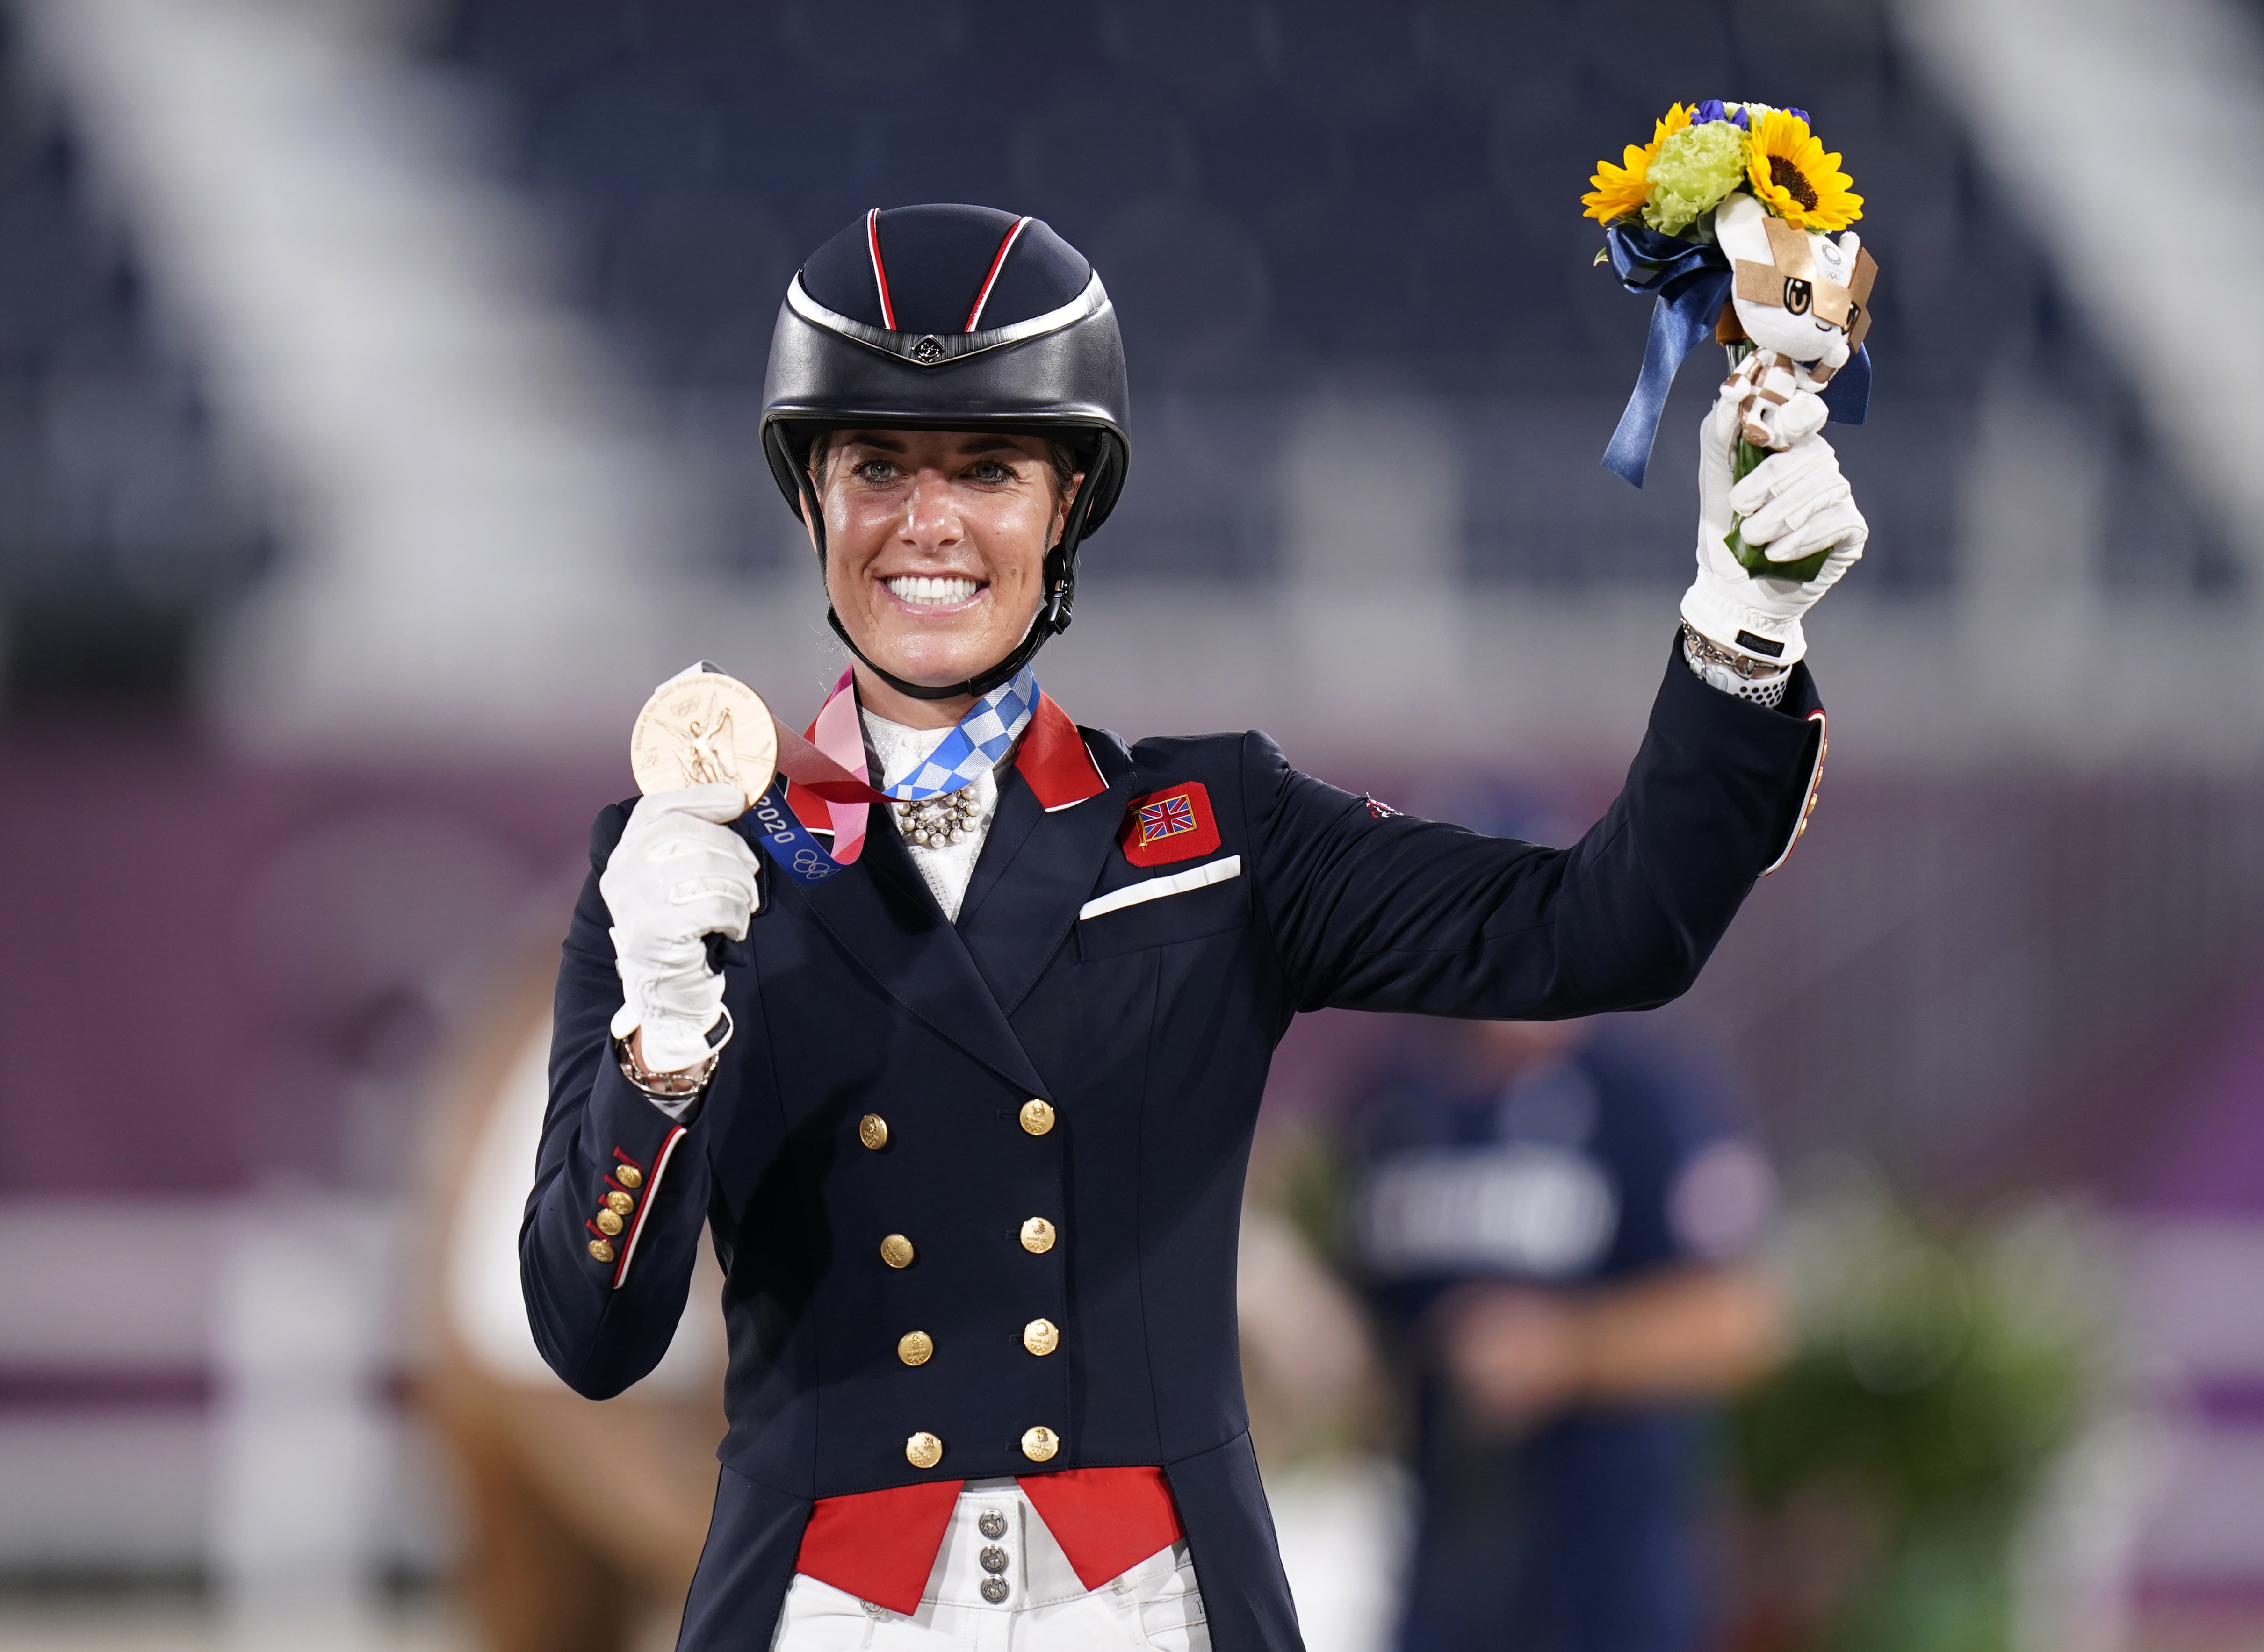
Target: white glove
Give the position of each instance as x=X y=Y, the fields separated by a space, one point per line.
x=1795 y=503
x=678 y=875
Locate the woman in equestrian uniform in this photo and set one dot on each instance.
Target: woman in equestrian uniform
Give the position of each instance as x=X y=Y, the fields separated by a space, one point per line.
x=961 y=1086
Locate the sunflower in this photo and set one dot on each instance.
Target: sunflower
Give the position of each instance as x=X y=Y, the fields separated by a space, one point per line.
x=1620 y=190
x=1795 y=180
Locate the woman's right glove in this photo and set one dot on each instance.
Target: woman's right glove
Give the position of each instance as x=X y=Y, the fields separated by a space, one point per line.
x=1793 y=505
x=678 y=875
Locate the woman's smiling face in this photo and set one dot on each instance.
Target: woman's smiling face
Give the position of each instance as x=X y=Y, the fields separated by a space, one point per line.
x=935 y=545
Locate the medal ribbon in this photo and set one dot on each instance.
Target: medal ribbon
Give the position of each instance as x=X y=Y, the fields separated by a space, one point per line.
x=831 y=764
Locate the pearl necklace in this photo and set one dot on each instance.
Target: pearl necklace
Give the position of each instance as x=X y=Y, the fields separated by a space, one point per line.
x=931 y=822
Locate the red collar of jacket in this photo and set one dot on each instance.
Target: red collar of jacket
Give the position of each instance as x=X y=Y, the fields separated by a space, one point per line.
x=1051 y=757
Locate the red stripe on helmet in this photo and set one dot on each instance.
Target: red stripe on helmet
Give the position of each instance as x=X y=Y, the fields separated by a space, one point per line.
x=880 y=269
x=991 y=280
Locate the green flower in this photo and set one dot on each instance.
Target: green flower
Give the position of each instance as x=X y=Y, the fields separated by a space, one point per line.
x=1694 y=172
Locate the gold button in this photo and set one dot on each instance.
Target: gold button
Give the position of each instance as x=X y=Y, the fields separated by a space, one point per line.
x=915 y=1347
x=608 y=1224
x=628 y=1176
x=1037 y=1117
x=620 y=1203
x=1037 y=1235
x=896 y=1250
x=925 y=1451
x=602 y=1250
x=873 y=1131
x=1040 y=1337
x=1039 y=1444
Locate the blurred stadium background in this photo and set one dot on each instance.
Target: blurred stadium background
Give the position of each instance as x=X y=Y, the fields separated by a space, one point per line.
x=377 y=388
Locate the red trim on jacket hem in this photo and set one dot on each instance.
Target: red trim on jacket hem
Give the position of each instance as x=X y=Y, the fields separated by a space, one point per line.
x=1107 y=1520
x=879 y=1545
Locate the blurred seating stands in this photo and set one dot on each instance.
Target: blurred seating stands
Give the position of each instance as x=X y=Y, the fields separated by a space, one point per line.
x=1345 y=194
x=119 y=528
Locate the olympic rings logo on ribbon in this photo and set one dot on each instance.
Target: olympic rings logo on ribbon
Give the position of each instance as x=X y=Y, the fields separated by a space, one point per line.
x=785 y=841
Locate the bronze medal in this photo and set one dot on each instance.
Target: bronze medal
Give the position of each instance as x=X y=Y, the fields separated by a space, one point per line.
x=702 y=728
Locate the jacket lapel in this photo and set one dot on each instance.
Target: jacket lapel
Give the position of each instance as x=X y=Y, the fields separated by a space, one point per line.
x=881 y=913
x=1013 y=924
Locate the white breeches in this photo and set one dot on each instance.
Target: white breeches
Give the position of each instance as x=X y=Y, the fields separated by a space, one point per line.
x=1036 y=1603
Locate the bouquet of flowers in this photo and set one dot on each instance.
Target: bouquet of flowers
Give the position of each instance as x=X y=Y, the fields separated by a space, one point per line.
x=1736 y=219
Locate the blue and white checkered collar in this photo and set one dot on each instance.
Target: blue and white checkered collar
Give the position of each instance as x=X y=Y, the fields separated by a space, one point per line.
x=977 y=745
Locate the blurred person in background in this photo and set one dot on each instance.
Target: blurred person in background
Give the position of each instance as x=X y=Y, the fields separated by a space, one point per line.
x=546 y=1566
x=967 y=1115
x=1556 y=1222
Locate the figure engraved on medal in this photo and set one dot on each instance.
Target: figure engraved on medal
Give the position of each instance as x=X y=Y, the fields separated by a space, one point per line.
x=702 y=728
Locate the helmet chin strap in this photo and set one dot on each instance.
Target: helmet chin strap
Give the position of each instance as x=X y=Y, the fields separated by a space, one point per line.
x=1051 y=619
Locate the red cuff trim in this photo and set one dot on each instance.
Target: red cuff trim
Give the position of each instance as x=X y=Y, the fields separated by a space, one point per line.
x=644 y=1208
x=1815 y=787
x=1053 y=759
x=879 y=1545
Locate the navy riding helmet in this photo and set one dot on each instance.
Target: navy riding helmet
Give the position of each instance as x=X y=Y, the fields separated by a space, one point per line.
x=957 y=318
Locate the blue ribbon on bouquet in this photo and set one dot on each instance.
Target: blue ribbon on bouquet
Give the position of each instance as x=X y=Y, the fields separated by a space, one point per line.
x=1691 y=281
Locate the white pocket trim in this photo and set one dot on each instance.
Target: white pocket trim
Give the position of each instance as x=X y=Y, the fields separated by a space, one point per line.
x=1156 y=888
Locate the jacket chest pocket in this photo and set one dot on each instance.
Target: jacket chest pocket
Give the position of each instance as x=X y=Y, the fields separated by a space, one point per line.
x=1210 y=899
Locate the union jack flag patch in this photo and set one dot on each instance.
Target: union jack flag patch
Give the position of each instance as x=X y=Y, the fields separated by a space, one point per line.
x=1162 y=827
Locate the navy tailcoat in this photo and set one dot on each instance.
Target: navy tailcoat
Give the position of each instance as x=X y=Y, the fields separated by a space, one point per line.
x=1147 y=1028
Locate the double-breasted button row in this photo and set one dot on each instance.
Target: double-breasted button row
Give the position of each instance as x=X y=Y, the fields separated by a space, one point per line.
x=1039 y=1445
x=1039 y=1337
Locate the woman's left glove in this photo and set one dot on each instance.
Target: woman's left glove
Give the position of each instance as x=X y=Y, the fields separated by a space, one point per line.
x=678 y=875
x=1793 y=505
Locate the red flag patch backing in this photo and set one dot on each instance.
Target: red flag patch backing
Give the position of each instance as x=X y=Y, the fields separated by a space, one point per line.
x=1170 y=825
